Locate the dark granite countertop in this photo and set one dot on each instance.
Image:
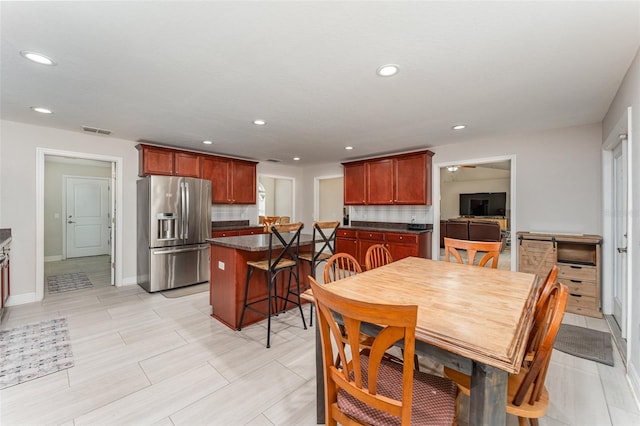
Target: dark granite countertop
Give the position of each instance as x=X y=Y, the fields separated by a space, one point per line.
x=258 y=242
x=5 y=237
x=385 y=227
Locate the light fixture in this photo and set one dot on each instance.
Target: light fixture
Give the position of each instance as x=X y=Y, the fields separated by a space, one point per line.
x=259 y=122
x=452 y=168
x=37 y=57
x=296 y=158
x=348 y=148
x=41 y=110
x=207 y=142
x=459 y=127
x=387 y=70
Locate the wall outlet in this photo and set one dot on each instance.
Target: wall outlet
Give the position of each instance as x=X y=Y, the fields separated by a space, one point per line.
x=221 y=265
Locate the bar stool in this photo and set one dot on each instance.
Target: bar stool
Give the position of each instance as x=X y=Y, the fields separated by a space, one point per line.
x=289 y=237
x=323 y=233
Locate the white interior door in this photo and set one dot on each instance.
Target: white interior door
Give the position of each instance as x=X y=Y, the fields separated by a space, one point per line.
x=87 y=216
x=112 y=223
x=620 y=236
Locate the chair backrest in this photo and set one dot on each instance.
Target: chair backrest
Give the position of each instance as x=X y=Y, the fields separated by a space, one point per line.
x=289 y=237
x=377 y=255
x=492 y=249
x=284 y=220
x=269 y=221
x=546 y=323
x=260 y=220
x=484 y=231
x=324 y=233
x=339 y=266
x=344 y=372
x=543 y=294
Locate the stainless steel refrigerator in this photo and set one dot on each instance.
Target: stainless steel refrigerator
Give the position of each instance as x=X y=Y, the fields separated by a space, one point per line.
x=174 y=219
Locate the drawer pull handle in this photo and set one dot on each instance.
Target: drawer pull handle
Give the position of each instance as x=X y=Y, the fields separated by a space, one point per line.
x=576 y=267
x=575 y=295
x=576 y=281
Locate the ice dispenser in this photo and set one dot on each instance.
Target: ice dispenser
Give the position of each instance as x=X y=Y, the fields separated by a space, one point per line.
x=166 y=226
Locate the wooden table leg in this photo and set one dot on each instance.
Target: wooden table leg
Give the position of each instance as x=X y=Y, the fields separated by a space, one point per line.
x=319 y=377
x=488 y=401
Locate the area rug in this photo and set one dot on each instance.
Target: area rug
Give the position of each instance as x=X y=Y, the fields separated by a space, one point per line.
x=68 y=282
x=186 y=291
x=34 y=350
x=585 y=343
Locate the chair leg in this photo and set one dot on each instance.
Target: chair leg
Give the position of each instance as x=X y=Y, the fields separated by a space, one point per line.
x=269 y=300
x=313 y=274
x=304 y=324
x=246 y=292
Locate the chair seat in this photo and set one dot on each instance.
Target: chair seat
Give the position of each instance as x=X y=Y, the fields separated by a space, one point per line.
x=433 y=397
x=264 y=264
x=308 y=256
x=526 y=410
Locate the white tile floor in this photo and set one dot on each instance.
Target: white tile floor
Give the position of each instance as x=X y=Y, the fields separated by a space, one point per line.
x=143 y=358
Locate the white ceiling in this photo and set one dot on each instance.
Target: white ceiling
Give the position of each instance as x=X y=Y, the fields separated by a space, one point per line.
x=177 y=73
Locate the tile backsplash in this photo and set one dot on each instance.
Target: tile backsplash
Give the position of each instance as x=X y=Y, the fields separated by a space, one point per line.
x=401 y=214
x=221 y=212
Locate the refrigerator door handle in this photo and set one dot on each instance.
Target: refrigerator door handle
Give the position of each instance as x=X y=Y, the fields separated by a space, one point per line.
x=186 y=218
x=182 y=209
x=181 y=250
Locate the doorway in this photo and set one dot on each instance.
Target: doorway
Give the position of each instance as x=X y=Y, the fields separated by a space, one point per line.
x=51 y=205
x=483 y=175
x=329 y=199
x=276 y=196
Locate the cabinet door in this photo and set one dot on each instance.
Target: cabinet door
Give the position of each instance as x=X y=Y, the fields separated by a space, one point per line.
x=380 y=181
x=251 y=231
x=410 y=175
x=216 y=169
x=354 y=184
x=347 y=245
x=220 y=234
x=536 y=257
x=155 y=161
x=186 y=164
x=243 y=182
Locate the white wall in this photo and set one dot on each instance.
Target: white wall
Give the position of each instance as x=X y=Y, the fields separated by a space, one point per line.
x=629 y=96
x=18 y=189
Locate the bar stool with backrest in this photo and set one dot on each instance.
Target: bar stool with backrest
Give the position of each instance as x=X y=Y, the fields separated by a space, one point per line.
x=323 y=233
x=377 y=255
x=279 y=259
x=491 y=249
x=527 y=397
x=365 y=387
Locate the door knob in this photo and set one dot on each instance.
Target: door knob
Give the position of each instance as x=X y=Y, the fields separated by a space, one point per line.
x=71 y=221
x=622 y=249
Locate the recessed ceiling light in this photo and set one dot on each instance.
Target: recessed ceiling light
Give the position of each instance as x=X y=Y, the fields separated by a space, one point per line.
x=387 y=70
x=259 y=122
x=207 y=142
x=37 y=57
x=296 y=158
x=452 y=168
x=41 y=110
x=459 y=127
x=348 y=147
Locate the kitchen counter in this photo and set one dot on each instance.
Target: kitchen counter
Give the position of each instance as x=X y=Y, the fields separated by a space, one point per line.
x=254 y=242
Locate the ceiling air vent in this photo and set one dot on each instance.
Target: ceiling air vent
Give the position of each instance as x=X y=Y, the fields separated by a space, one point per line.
x=273 y=160
x=96 y=130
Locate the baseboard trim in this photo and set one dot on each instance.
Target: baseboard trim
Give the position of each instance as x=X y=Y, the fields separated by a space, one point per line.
x=634 y=382
x=21 y=299
x=52 y=258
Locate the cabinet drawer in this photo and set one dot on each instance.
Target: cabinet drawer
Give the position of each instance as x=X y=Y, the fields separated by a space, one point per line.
x=218 y=234
x=584 y=288
x=346 y=233
x=577 y=272
x=251 y=231
x=581 y=304
x=401 y=238
x=371 y=235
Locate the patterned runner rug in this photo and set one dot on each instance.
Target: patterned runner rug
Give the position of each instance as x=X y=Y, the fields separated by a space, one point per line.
x=68 y=282
x=34 y=350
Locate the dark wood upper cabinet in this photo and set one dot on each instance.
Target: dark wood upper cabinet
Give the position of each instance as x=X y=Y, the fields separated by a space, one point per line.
x=154 y=160
x=232 y=181
x=186 y=164
x=397 y=179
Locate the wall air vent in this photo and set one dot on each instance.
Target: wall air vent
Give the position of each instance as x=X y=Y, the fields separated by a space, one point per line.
x=96 y=130
x=273 y=160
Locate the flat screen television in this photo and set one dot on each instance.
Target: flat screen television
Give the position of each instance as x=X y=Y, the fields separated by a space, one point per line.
x=483 y=204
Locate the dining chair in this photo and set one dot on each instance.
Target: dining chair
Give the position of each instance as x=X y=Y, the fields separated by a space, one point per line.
x=284 y=220
x=377 y=255
x=527 y=397
x=269 y=221
x=491 y=249
x=324 y=234
x=339 y=266
x=278 y=260
x=363 y=387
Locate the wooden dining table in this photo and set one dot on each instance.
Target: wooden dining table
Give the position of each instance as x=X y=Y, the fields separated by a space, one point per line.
x=475 y=320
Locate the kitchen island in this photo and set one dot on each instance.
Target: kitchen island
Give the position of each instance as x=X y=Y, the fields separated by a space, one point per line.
x=228 y=263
